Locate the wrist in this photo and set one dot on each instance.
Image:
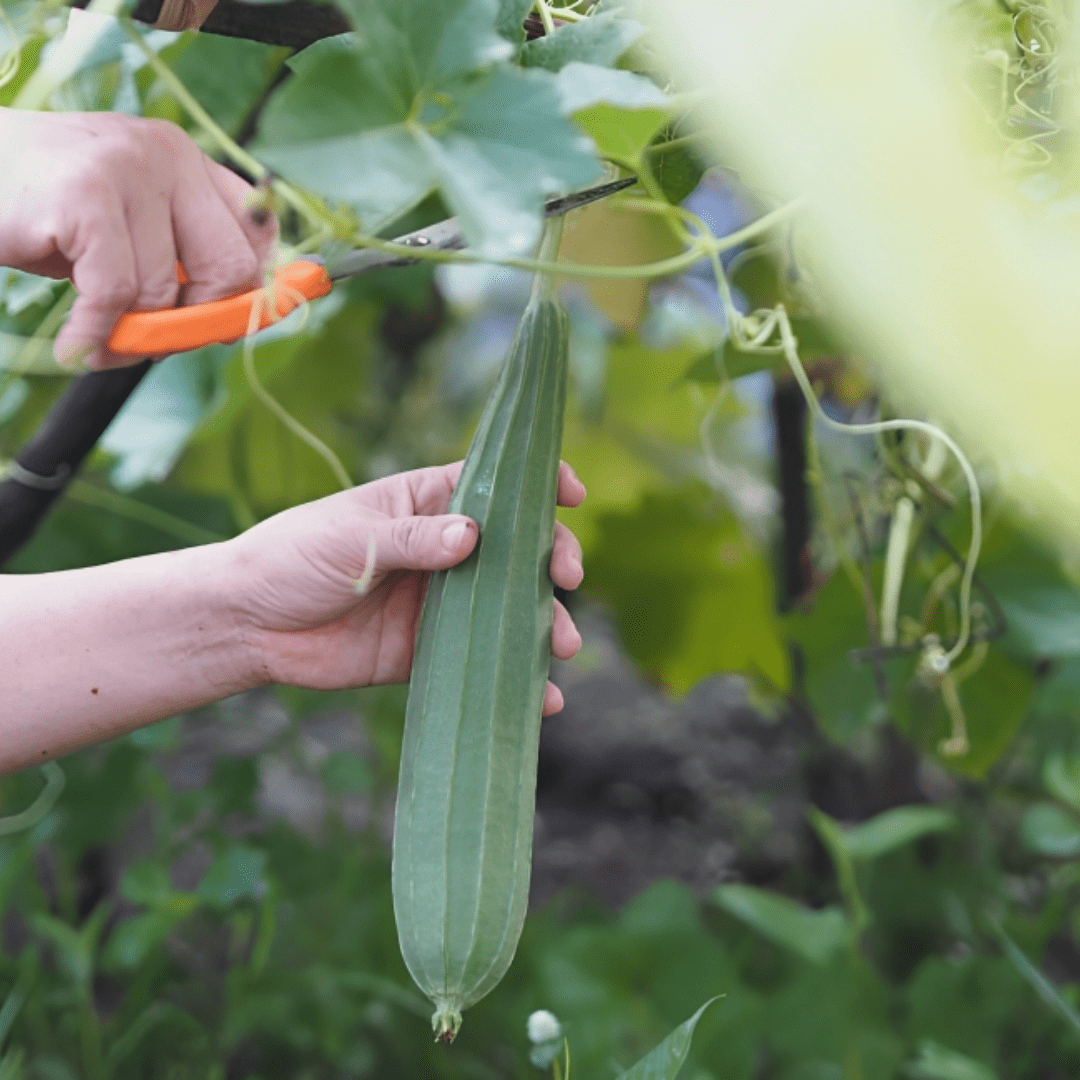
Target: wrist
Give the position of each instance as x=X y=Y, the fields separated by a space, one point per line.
x=226 y=574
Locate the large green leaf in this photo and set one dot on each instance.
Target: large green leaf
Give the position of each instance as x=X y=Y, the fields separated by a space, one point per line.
x=842 y=693
x=227 y=75
x=1061 y=776
x=1040 y=602
x=663 y=1062
x=995 y=700
x=511 y=15
x=416 y=102
x=691 y=593
x=621 y=112
x=601 y=39
x=244 y=452
x=815 y=935
x=155 y=423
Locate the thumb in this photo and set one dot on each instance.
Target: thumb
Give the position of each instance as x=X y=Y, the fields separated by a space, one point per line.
x=424 y=543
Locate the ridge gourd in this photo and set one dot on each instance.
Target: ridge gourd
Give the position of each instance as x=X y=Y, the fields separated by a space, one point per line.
x=466 y=793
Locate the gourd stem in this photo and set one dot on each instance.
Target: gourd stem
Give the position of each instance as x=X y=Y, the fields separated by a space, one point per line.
x=544 y=283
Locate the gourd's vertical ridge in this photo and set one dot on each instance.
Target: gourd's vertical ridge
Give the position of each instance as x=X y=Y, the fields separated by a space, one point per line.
x=525 y=427
x=488 y=443
x=508 y=487
x=554 y=368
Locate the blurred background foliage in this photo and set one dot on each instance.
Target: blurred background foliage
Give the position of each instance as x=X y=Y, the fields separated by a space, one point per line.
x=210 y=896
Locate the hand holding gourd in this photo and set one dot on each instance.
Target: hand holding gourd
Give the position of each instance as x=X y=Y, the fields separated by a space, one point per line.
x=297 y=574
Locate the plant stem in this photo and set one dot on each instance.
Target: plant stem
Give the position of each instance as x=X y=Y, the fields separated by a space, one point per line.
x=543 y=283
x=545 y=16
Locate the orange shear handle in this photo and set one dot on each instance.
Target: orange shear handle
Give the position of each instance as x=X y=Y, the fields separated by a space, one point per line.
x=174 y=330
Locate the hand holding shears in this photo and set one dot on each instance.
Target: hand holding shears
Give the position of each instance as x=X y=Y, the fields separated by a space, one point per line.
x=153 y=333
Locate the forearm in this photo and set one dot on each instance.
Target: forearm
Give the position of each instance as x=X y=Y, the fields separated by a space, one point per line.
x=88 y=655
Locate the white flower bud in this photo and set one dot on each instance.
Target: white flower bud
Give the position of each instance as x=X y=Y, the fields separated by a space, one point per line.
x=543 y=1026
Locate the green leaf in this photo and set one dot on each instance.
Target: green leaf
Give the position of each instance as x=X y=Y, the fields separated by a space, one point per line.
x=995 y=700
x=244 y=450
x=134 y=939
x=227 y=75
x=892 y=829
x=841 y=693
x=75 y=948
x=509 y=22
x=664 y=1061
x=581 y=85
x=414 y=103
x=151 y=430
x=621 y=111
x=1061 y=776
x=409 y=47
x=235 y=873
x=1041 y=604
x=495 y=169
x=815 y=935
x=692 y=594
x=146 y=882
x=936 y=1062
x=1049 y=830
x=600 y=39
x=678 y=170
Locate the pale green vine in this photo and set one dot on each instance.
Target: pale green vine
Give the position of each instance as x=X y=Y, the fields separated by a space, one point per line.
x=41 y=806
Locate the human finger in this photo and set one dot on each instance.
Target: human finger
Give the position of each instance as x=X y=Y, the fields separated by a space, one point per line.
x=151 y=232
x=149 y=217
x=565 y=567
x=105 y=276
x=428 y=491
x=418 y=491
x=214 y=249
x=259 y=226
x=553 y=700
x=565 y=639
x=422 y=543
x=571 y=489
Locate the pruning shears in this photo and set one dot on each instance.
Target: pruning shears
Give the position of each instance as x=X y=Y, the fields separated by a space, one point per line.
x=173 y=330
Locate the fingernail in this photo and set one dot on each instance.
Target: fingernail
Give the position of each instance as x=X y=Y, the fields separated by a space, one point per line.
x=453 y=535
x=576 y=565
x=72 y=356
